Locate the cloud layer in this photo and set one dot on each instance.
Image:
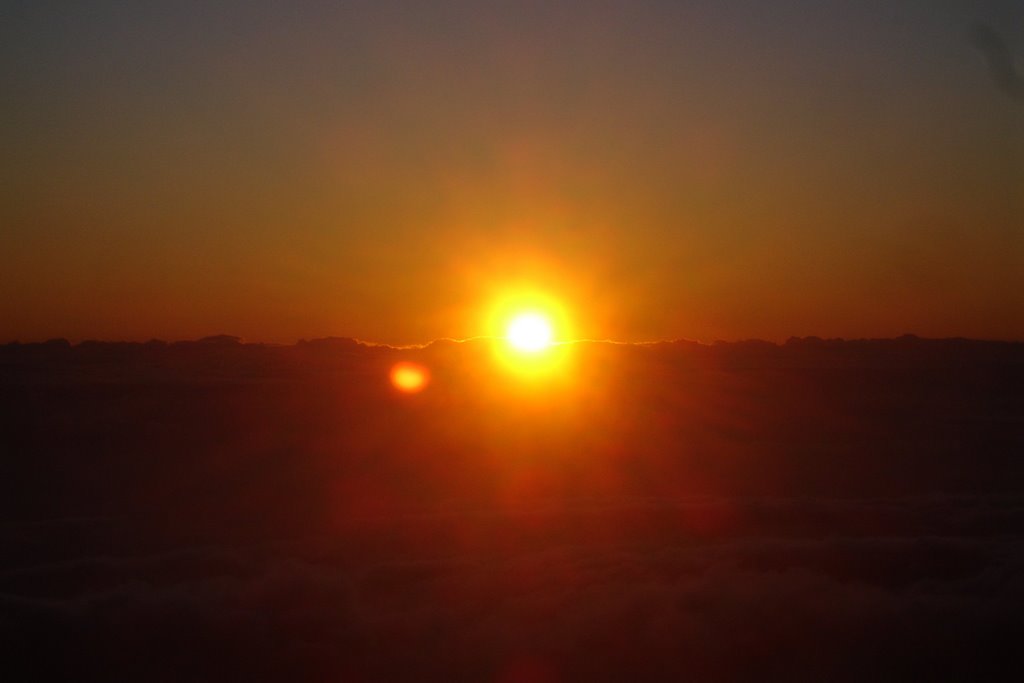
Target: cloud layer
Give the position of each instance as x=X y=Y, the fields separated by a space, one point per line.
x=817 y=510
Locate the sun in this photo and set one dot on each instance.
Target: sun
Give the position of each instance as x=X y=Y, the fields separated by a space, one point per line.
x=529 y=332
x=530 y=329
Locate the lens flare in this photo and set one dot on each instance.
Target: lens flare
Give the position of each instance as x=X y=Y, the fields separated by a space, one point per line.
x=409 y=378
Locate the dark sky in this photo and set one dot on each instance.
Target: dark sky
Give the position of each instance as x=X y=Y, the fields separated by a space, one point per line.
x=385 y=170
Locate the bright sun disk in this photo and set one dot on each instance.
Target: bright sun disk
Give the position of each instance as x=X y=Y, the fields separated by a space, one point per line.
x=530 y=332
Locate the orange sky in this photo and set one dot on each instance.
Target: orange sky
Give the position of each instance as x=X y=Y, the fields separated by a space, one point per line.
x=383 y=171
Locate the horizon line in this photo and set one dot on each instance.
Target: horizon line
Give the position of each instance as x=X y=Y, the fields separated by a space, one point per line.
x=239 y=340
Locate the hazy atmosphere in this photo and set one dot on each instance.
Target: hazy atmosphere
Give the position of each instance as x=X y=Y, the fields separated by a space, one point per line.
x=377 y=169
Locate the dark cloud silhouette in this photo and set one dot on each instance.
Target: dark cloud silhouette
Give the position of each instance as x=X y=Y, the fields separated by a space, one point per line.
x=1000 y=61
x=745 y=609
x=817 y=510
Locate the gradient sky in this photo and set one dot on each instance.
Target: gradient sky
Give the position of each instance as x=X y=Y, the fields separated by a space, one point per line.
x=381 y=170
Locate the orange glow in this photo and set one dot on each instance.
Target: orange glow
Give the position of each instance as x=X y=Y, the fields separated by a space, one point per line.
x=409 y=378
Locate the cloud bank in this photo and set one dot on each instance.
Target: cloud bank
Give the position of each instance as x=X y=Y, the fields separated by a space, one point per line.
x=815 y=510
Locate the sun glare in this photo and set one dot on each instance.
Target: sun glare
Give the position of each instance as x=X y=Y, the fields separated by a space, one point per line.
x=530 y=328
x=530 y=332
